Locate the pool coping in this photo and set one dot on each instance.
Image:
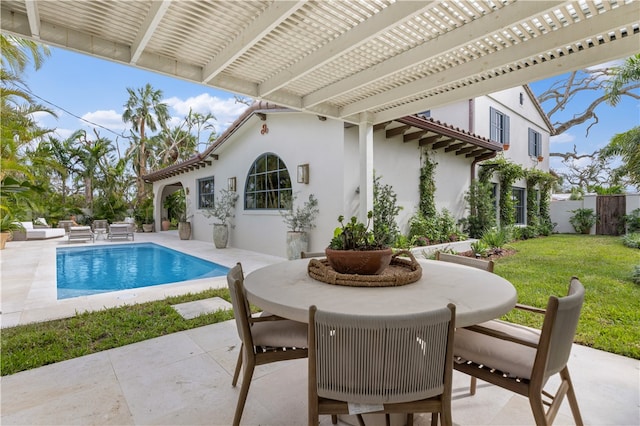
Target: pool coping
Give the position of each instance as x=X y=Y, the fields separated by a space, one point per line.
x=28 y=270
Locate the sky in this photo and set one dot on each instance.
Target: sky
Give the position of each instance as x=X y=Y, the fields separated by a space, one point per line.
x=88 y=93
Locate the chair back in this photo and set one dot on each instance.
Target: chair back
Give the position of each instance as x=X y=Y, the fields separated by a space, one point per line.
x=100 y=224
x=381 y=359
x=485 y=265
x=241 y=310
x=558 y=331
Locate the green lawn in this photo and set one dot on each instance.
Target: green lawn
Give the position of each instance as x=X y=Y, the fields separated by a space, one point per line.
x=610 y=317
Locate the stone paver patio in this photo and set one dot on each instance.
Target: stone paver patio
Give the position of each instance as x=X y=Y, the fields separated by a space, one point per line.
x=185 y=378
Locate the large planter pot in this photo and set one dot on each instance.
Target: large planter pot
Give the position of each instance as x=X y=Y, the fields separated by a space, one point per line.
x=4 y=237
x=165 y=225
x=220 y=235
x=297 y=242
x=361 y=262
x=184 y=230
x=147 y=227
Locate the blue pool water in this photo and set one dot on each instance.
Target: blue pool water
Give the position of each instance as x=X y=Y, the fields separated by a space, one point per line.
x=83 y=271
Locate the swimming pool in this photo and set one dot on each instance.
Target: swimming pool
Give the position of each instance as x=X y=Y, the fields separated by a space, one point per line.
x=84 y=271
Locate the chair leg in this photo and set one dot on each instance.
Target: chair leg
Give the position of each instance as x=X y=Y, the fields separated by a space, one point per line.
x=434 y=419
x=571 y=397
x=238 y=367
x=537 y=407
x=334 y=419
x=244 y=391
x=472 y=386
x=360 y=420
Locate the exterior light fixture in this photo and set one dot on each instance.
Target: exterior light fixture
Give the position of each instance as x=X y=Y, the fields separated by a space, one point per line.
x=303 y=173
x=231 y=184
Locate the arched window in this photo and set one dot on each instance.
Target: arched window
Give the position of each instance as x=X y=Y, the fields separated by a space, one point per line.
x=268 y=184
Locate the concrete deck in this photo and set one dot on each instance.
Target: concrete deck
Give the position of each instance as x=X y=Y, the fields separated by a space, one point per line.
x=185 y=378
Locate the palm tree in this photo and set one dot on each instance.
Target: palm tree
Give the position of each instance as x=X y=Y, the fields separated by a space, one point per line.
x=90 y=157
x=15 y=53
x=143 y=110
x=626 y=145
x=626 y=73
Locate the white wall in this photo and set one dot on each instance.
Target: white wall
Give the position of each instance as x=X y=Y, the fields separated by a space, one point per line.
x=398 y=163
x=560 y=212
x=297 y=139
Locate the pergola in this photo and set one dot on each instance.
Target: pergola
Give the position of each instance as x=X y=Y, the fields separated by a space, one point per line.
x=361 y=61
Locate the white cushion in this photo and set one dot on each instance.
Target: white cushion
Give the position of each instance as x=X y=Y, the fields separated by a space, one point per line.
x=27 y=225
x=280 y=334
x=40 y=221
x=512 y=358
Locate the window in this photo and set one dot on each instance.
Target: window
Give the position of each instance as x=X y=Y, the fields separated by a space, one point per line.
x=517 y=195
x=499 y=126
x=535 y=143
x=205 y=193
x=268 y=184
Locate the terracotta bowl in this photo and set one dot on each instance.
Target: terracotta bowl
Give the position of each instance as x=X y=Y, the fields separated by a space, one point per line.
x=361 y=262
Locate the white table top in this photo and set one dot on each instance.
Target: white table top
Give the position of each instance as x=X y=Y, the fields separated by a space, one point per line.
x=286 y=289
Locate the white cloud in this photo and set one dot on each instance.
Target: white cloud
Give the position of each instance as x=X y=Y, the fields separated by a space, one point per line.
x=224 y=110
x=562 y=138
x=109 y=119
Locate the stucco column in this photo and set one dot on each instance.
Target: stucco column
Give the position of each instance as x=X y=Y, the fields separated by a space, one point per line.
x=366 y=166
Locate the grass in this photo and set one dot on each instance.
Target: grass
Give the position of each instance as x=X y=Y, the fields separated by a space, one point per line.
x=610 y=318
x=37 y=344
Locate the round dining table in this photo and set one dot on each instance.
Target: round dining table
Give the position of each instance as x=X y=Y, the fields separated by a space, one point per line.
x=287 y=290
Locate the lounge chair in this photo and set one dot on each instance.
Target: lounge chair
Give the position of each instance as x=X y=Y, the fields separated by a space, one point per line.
x=81 y=233
x=37 y=230
x=120 y=231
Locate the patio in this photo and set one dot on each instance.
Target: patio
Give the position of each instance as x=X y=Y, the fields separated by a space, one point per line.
x=185 y=378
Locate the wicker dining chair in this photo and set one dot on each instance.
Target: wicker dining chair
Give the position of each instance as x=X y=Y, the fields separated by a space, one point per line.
x=401 y=364
x=522 y=359
x=265 y=339
x=485 y=265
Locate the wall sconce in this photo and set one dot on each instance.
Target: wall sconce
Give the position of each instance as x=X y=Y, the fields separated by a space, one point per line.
x=231 y=184
x=303 y=173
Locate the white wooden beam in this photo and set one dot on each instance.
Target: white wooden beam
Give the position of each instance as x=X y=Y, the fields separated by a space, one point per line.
x=270 y=19
x=149 y=25
x=579 y=60
x=575 y=33
x=34 y=18
x=466 y=34
x=360 y=34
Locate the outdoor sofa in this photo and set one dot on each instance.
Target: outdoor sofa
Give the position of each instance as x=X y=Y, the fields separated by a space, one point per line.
x=37 y=230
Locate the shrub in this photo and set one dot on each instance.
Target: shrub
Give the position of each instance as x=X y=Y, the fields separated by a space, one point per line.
x=582 y=220
x=427 y=227
x=385 y=211
x=497 y=238
x=632 y=221
x=635 y=276
x=479 y=248
x=632 y=240
x=529 y=232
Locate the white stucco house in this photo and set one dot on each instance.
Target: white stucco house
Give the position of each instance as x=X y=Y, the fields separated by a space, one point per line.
x=267 y=148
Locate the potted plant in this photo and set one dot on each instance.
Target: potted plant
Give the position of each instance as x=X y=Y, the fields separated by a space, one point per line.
x=355 y=249
x=8 y=224
x=222 y=210
x=582 y=220
x=299 y=220
x=184 y=223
